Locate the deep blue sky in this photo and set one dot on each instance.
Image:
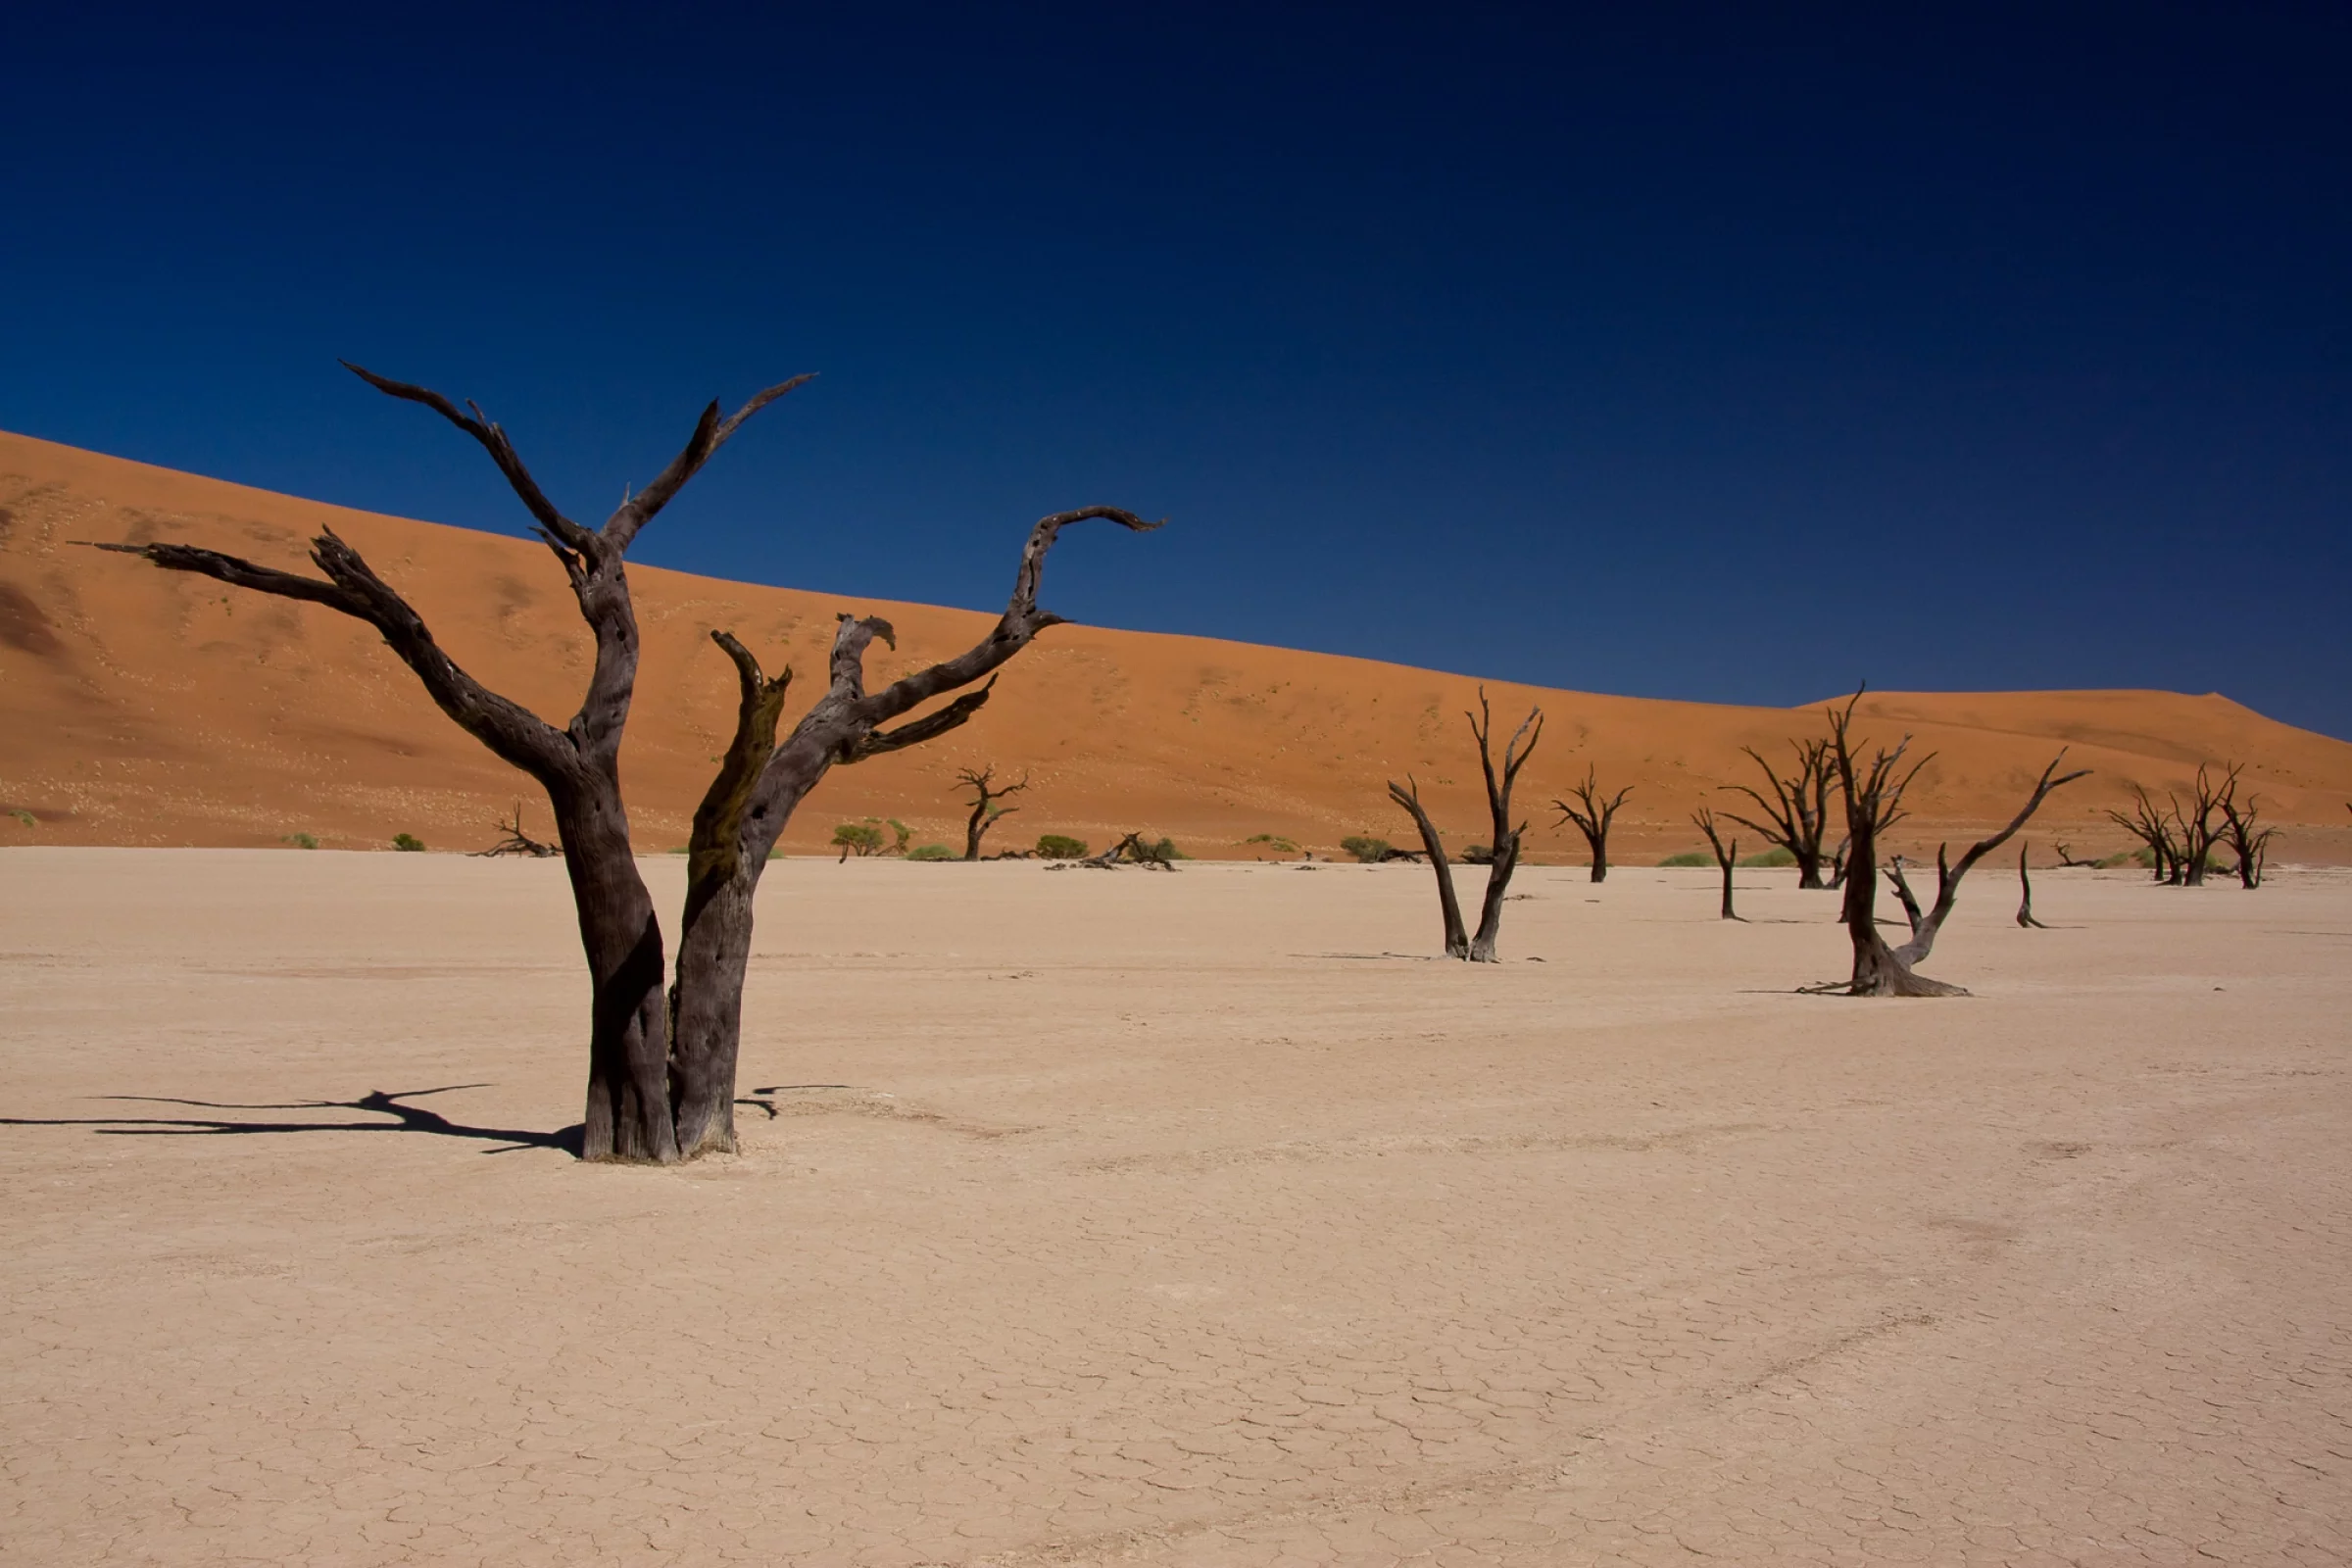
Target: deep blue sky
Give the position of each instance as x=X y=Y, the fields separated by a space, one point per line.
x=1698 y=354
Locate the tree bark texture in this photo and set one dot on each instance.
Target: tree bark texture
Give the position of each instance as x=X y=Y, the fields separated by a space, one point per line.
x=660 y=1077
x=1592 y=813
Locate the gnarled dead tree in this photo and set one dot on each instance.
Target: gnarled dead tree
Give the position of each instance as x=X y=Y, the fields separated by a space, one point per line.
x=1593 y=815
x=660 y=1068
x=2199 y=824
x=2146 y=823
x=1799 y=812
x=1503 y=854
x=2248 y=840
x=1724 y=856
x=985 y=810
x=1873 y=796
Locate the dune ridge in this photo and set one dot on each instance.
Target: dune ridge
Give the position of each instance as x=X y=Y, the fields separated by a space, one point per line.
x=145 y=708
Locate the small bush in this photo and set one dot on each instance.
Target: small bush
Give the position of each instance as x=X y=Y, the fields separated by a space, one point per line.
x=2122 y=858
x=1059 y=846
x=904 y=833
x=1365 y=849
x=1778 y=854
x=1166 y=850
x=1690 y=857
x=408 y=841
x=301 y=841
x=1272 y=841
x=25 y=817
x=932 y=852
x=859 y=838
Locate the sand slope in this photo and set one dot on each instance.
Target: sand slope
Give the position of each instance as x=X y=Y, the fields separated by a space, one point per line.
x=142 y=708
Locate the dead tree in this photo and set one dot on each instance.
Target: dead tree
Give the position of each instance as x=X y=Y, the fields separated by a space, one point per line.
x=1725 y=857
x=2148 y=824
x=1592 y=816
x=660 y=1066
x=1450 y=908
x=2066 y=861
x=1503 y=856
x=2248 y=840
x=985 y=810
x=1873 y=796
x=515 y=840
x=1797 y=815
x=2025 y=894
x=2200 y=824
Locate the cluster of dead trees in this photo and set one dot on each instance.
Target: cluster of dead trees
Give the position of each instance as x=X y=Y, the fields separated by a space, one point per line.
x=663 y=1042
x=2181 y=836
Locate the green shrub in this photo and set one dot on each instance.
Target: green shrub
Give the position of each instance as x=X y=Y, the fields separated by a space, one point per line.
x=1059 y=846
x=1364 y=848
x=407 y=841
x=1690 y=857
x=904 y=833
x=301 y=841
x=932 y=852
x=1166 y=850
x=859 y=838
x=1778 y=854
x=25 y=817
x=1272 y=841
x=2120 y=858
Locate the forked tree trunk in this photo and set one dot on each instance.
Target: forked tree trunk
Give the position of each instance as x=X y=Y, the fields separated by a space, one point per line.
x=1726 y=858
x=1507 y=836
x=662 y=1073
x=1873 y=798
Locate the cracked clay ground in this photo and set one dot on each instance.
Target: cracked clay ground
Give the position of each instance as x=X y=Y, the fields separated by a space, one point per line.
x=1122 y=1219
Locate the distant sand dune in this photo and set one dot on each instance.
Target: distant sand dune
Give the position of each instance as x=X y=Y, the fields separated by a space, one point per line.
x=144 y=707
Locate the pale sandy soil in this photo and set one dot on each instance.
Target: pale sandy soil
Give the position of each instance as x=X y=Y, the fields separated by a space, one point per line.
x=1114 y=1217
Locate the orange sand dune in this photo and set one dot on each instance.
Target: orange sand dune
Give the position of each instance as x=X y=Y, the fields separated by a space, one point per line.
x=140 y=706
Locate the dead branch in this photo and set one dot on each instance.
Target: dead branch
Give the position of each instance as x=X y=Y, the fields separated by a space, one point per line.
x=1725 y=857
x=2024 y=893
x=1507 y=837
x=985 y=810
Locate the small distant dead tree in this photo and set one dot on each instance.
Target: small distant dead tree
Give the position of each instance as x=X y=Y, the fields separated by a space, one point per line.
x=1503 y=853
x=985 y=810
x=2199 y=822
x=2146 y=823
x=1726 y=857
x=661 y=1060
x=2066 y=861
x=1797 y=815
x=513 y=840
x=2024 y=893
x=2248 y=840
x=1873 y=794
x=1593 y=815
x=1133 y=850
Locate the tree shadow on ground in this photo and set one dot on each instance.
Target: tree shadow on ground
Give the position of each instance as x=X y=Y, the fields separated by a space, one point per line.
x=406 y=1118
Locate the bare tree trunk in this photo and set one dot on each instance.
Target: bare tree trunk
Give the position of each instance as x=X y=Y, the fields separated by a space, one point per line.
x=2248 y=841
x=1499 y=807
x=1725 y=857
x=2025 y=894
x=1450 y=908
